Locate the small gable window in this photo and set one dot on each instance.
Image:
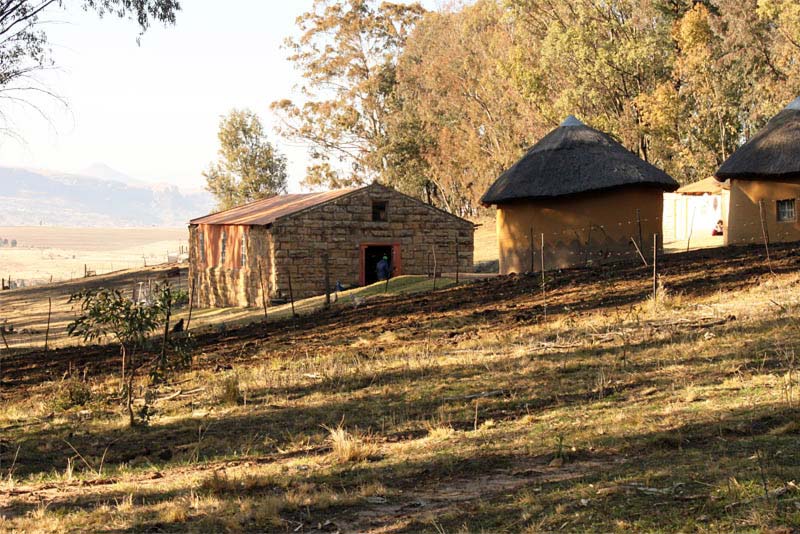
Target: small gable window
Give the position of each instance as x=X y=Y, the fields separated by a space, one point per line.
x=379 y=211
x=786 y=210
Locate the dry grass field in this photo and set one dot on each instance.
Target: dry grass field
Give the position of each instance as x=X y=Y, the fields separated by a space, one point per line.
x=483 y=407
x=485 y=241
x=51 y=253
x=25 y=311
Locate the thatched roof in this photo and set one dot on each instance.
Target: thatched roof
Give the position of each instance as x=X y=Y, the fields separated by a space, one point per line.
x=572 y=159
x=710 y=186
x=772 y=154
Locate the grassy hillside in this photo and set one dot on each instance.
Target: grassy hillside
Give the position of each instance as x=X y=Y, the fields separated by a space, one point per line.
x=485 y=241
x=481 y=407
x=26 y=310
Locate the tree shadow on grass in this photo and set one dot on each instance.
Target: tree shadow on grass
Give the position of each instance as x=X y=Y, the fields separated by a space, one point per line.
x=695 y=273
x=640 y=479
x=695 y=474
x=392 y=403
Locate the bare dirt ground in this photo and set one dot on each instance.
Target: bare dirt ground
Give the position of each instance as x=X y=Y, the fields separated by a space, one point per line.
x=490 y=406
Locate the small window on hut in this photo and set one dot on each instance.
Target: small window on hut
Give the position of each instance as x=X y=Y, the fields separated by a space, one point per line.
x=223 y=247
x=786 y=210
x=379 y=211
x=244 y=249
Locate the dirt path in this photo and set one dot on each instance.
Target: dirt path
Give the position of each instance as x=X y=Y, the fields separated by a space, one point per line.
x=423 y=504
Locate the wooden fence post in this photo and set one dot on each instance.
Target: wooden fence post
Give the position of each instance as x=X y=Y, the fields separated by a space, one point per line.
x=655 y=279
x=458 y=257
x=639 y=251
x=8 y=350
x=263 y=289
x=764 y=233
x=544 y=288
x=691 y=229
x=191 y=299
x=533 y=253
x=639 y=226
x=5 y=341
x=49 y=313
x=291 y=292
x=325 y=257
x=433 y=249
x=163 y=362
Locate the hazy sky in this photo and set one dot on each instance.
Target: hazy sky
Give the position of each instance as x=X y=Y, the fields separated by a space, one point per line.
x=151 y=111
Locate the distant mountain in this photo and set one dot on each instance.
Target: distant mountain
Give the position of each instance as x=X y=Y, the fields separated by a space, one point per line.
x=31 y=198
x=104 y=172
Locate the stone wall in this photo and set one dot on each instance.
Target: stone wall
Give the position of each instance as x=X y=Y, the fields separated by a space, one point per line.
x=343 y=225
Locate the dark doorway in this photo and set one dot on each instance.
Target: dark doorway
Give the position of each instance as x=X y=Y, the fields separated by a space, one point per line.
x=372 y=255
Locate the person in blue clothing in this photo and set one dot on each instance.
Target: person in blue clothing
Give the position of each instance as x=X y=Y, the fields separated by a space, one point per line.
x=382 y=269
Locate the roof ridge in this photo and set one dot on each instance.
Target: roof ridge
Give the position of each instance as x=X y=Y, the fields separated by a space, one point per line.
x=572 y=120
x=794 y=105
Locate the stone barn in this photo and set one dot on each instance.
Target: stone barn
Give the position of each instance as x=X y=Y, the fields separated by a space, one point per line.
x=764 y=175
x=266 y=245
x=585 y=192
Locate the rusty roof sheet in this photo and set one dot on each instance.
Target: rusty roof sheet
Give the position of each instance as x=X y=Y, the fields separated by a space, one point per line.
x=269 y=210
x=701 y=187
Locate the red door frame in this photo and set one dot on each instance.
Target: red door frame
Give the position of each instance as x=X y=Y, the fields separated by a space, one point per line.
x=397 y=263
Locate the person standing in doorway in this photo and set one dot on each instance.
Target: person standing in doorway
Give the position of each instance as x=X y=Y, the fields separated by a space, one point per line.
x=383 y=269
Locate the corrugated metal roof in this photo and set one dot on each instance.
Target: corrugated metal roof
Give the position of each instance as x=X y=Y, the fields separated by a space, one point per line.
x=269 y=210
x=701 y=187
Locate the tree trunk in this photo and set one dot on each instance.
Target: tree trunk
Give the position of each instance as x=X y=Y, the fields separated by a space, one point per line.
x=129 y=393
x=163 y=362
x=124 y=357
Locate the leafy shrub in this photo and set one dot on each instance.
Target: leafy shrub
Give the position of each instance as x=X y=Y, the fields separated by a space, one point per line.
x=72 y=392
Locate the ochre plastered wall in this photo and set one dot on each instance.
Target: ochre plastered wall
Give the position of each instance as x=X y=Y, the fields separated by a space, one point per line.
x=744 y=215
x=578 y=230
x=298 y=245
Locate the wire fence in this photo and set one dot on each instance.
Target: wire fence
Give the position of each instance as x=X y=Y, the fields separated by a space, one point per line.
x=78 y=269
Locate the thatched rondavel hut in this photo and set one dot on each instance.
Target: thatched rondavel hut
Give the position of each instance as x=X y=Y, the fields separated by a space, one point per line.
x=585 y=192
x=764 y=176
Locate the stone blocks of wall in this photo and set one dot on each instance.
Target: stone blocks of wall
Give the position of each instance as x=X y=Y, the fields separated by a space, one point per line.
x=342 y=226
x=299 y=247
